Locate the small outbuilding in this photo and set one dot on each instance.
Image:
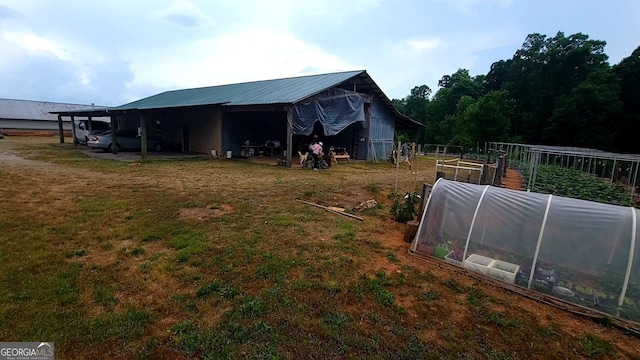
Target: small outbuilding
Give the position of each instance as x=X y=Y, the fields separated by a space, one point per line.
x=29 y=117
x=271 y=118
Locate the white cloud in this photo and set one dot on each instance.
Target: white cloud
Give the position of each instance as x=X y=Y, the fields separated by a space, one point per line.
x=34 y=44
x=238 y=57
x=424 y=45
x=185 y=14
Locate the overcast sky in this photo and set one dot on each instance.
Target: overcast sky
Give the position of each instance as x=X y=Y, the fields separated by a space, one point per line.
x=112 y=52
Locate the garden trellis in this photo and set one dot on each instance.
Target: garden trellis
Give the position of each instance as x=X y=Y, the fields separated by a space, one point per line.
x=452 y=166
x=614 y=168
x=577 y=250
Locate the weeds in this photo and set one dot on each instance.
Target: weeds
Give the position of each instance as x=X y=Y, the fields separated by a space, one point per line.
x=454 y=285
x=208 y=289
x=392 y=257
x=337 y=320
x=251 y=307
x=77 y=253
x=373 y=188
x=595 y=346
x=429 y=295
x=138 y=251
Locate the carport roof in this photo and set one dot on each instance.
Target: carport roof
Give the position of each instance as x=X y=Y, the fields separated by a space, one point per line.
x=16 y=109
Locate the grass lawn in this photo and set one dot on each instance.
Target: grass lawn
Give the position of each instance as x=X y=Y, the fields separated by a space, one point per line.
x=215 y=259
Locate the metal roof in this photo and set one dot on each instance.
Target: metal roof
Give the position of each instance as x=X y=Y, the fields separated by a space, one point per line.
x=266 y=92
x=35 y=110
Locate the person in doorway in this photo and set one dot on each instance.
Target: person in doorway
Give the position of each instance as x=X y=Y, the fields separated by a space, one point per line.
x=316 y=151
x=404 y=154
x=314 y=140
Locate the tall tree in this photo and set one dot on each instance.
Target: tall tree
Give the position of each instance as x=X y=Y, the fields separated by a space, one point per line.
x=444 y=105
x=546 y=68
x=628 y=72
x=586 y=116
x=416 y=103
x=489 y=118
x=554 y=90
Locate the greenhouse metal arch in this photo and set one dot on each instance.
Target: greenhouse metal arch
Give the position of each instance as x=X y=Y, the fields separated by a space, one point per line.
x=577 y=250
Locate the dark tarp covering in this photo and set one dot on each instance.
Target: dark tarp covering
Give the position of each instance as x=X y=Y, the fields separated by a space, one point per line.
x=335 y=109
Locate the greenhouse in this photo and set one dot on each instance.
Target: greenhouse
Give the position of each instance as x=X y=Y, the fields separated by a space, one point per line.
x=575 y=250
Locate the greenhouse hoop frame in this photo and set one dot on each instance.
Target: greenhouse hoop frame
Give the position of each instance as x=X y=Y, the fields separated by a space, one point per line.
x=462 y=194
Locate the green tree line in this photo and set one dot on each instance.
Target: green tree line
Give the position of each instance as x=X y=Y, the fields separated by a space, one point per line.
x=558 y=90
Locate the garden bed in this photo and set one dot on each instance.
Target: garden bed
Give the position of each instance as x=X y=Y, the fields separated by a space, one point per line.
x=556 y=180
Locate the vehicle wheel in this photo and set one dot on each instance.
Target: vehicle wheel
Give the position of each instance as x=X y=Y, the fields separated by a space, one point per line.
x=157 y=147
x=110 y=148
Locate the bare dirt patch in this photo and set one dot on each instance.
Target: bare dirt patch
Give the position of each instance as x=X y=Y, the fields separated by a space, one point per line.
x=201 y=213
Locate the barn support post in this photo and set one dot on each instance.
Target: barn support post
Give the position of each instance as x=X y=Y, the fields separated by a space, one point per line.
x=631 y=254
x=143 y=138
x=473 y=222
x=60 y=129
x=114 y=140
x=289 y=138
x=73 y=130
x=89 y=124
x=540 y=235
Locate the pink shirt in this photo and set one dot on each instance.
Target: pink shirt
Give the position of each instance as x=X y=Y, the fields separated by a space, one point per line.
x=316 y=149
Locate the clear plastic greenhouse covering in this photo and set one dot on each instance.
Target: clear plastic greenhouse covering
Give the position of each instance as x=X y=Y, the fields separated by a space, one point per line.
x=335 y=109
x=576 y=250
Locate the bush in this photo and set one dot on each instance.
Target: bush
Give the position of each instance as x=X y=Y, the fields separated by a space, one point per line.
x=404 y=209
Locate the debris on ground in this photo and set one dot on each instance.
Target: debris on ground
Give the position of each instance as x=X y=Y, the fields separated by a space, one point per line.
x=367 y=205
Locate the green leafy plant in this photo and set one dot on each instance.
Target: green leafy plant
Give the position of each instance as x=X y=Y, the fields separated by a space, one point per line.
x=556 y=180
x=404 y=209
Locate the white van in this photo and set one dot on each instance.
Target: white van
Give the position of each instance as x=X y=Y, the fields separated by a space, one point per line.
x=82 y=132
